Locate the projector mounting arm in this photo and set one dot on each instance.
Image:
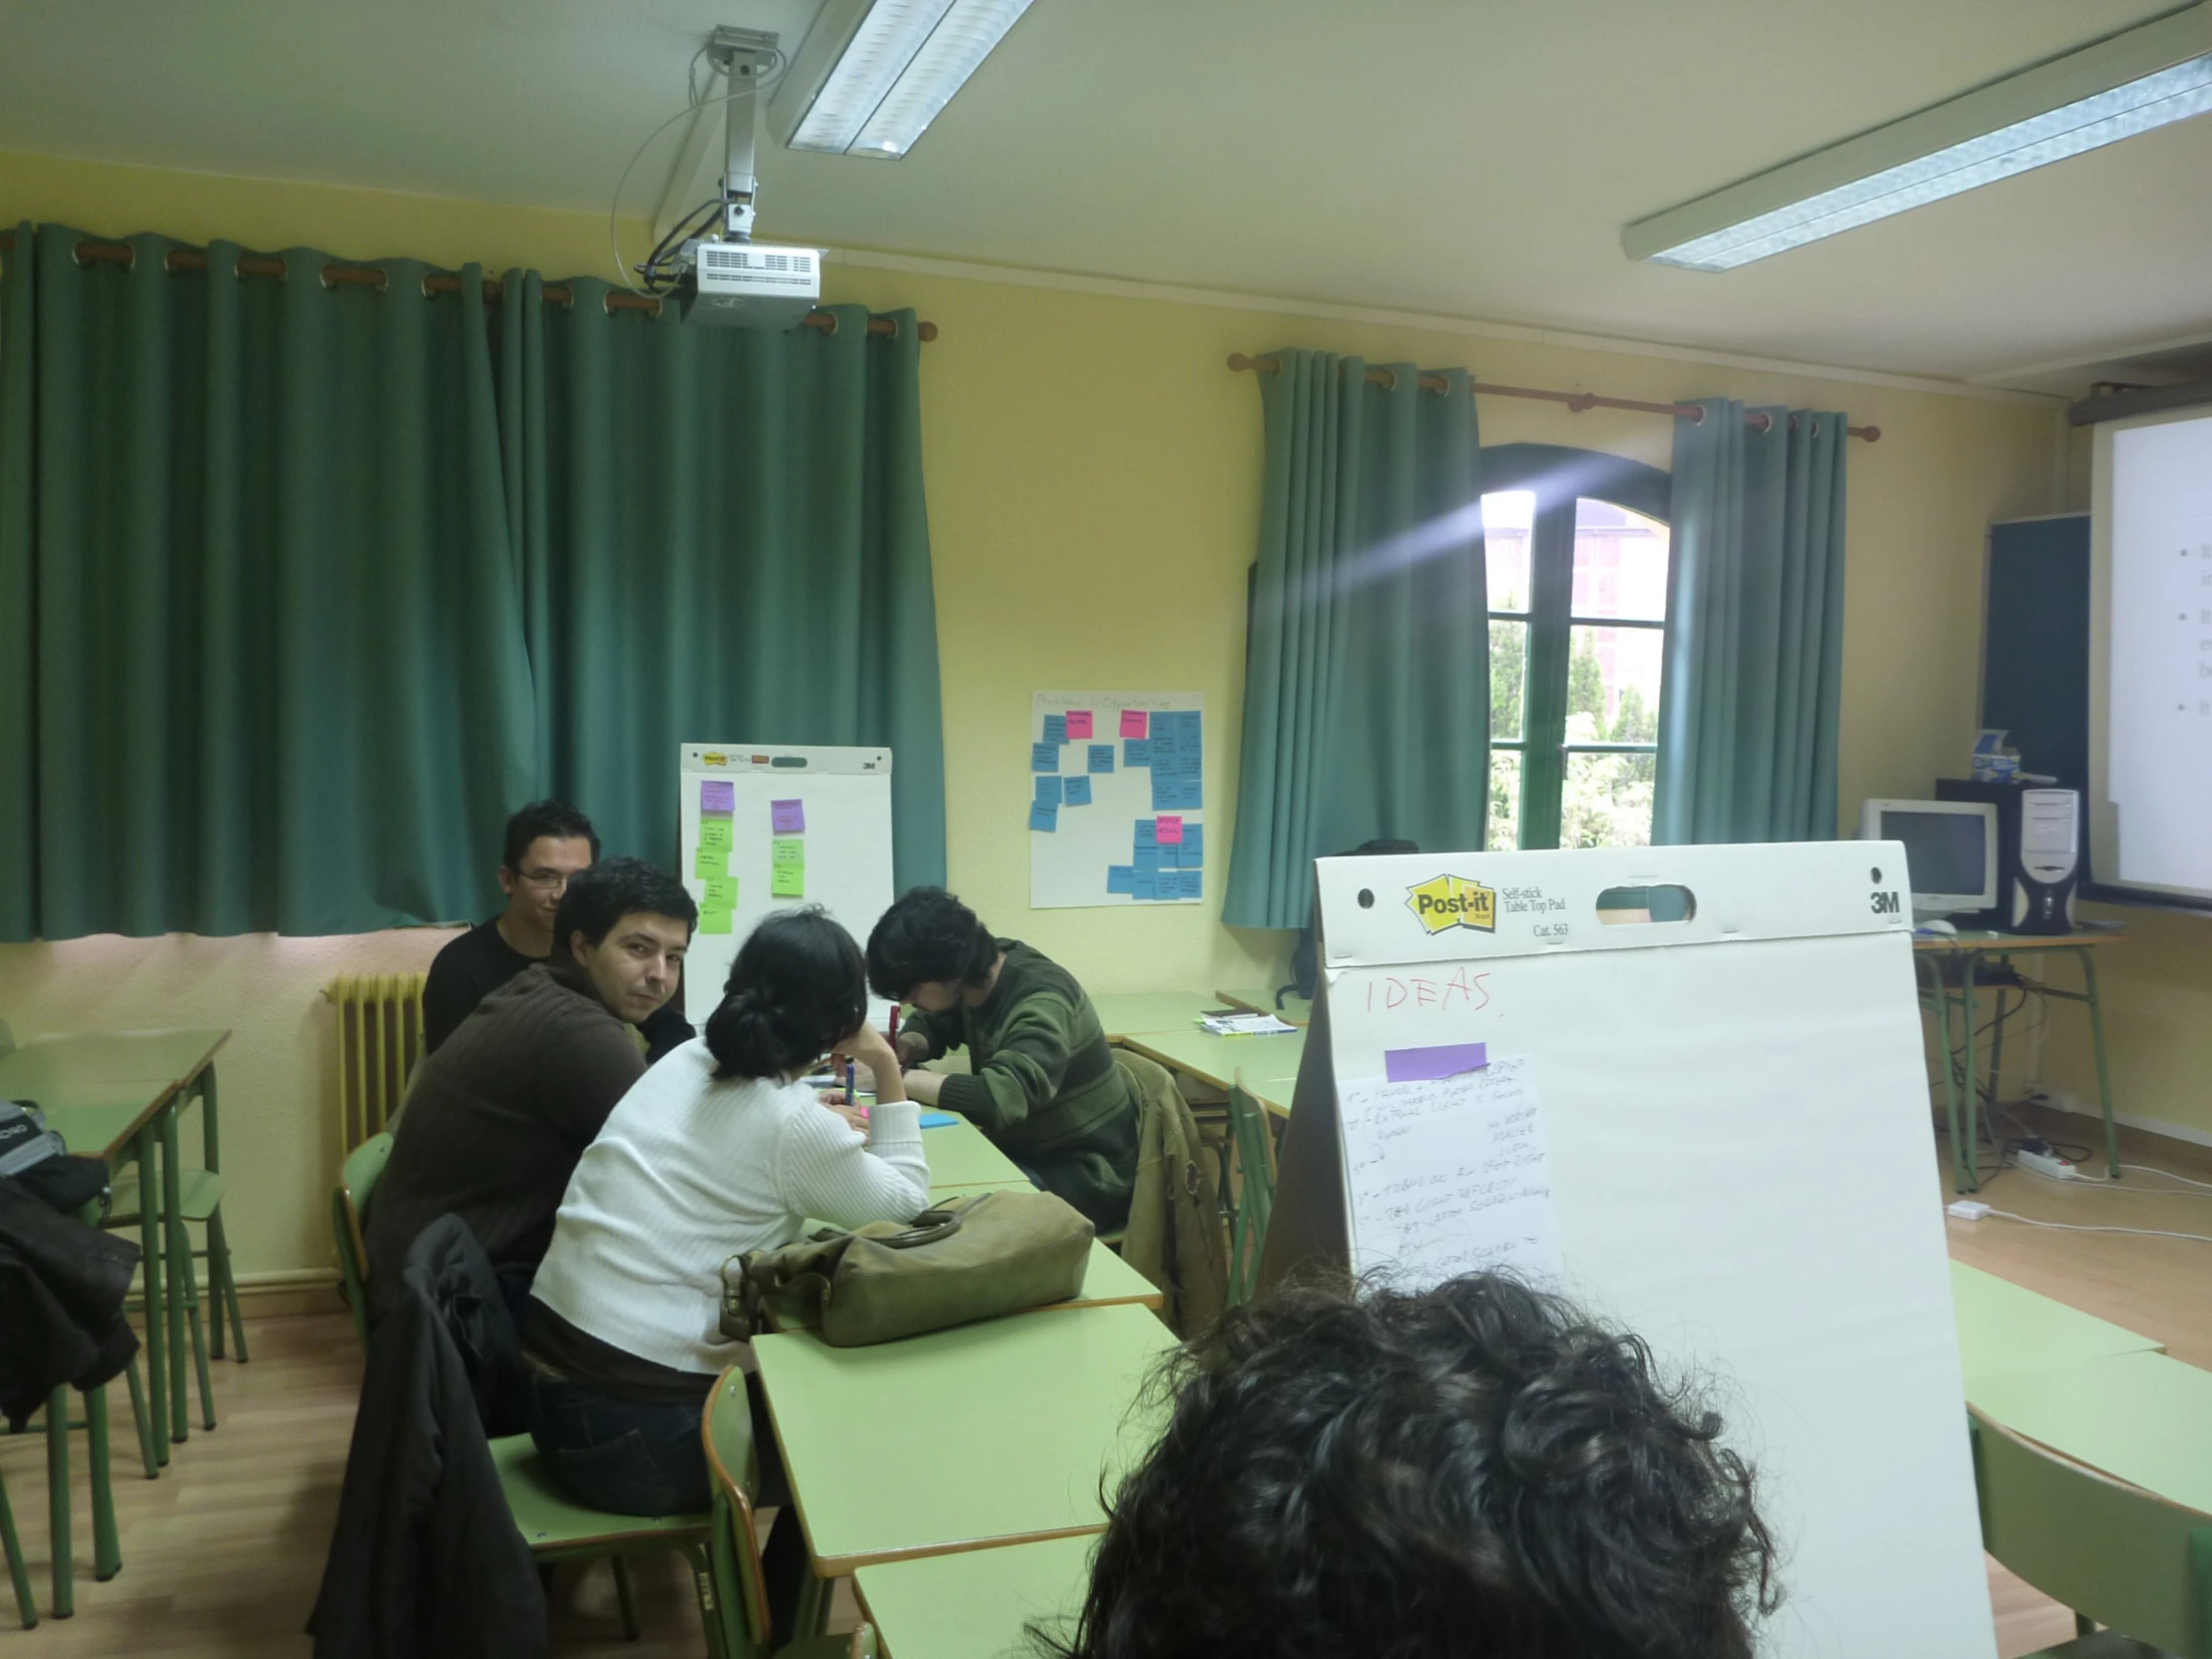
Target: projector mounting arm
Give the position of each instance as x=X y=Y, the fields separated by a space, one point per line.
x=744 y=56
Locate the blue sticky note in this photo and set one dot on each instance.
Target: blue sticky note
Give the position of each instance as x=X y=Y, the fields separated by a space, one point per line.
x=1044 y=816
x=1167 y=795
x=1044 y=756
x=1048 y=790
x=1055 y=728
x=1147 y=834
x=1147 y=860
x=1144 y=884
x=1102 y=757
x=1186 y=725
x=1188 y=762
x=1194 y=845
x=1165 y=745
x=937 y=1120
x=1170 y=856
x=1194 y=884
x=1136 y=752
x=1121 y=878
x=1078 y=790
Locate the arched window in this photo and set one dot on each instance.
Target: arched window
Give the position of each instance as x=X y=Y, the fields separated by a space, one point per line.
x=1577 y=551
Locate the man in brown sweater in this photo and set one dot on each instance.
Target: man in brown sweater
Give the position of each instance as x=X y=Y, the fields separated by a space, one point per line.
x=497 y=1118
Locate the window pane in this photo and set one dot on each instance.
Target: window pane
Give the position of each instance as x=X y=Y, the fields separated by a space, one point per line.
x=1504 y=826
x=1507 y=518
x=1606 y=800
x=1612 y=684
x=1620 y=563
x=1508 y=677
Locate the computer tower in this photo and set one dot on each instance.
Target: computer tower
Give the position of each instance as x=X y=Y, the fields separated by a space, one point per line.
x=2039 y=861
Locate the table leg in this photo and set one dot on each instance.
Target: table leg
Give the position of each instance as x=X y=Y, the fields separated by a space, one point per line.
x=57 y=1501
x=1972 y=1089
x=1962 y=1176
x=2104 y=1075
x=150 y=1259
x=177 y=1242
x=107 y=1549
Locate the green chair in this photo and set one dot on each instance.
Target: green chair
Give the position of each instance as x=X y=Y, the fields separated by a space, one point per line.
x=26 y=1606
x=557 y=1528
x=358 y=1178
x=2114 y=1553
x=1253 y=1140
x=200 y=1198
x=739 y=1590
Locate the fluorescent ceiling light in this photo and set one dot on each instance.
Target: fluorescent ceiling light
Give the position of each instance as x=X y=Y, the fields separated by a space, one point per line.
x=2147 y=77
x=873 y=74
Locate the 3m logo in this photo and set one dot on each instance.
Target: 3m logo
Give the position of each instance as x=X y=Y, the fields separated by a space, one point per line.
x=1448 y=902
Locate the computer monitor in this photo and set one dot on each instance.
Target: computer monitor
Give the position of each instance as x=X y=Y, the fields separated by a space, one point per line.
x=1951 y=850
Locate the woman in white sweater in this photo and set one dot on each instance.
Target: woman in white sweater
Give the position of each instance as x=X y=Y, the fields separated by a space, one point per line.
x=715 y=1150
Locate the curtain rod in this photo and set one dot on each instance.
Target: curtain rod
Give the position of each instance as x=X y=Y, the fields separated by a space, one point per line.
x=369 y=275
x=1576 y=402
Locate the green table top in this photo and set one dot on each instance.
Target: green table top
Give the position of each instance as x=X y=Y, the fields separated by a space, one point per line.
x=990 y=1433
x=98 y=1088
x=977 y=1604
x=1124 y=1013
x=961 y=1155
x=1217 y=1060
x=2141 y=1418
x=1273 y=1093
x=1296 y=1010
x=2003 y=1327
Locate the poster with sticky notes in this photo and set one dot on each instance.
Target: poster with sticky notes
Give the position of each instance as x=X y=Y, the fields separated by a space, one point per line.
x=762 y=827
x=1108 y=769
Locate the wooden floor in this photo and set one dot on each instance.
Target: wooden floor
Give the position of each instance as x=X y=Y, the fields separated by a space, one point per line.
x=222 y=1554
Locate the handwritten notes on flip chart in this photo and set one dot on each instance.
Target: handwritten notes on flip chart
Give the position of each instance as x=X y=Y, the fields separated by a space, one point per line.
x=1450 y=1175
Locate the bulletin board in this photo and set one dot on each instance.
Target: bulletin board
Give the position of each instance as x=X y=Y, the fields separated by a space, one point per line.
x=1712 y=1131
x=1117 y=799
x=767 y=829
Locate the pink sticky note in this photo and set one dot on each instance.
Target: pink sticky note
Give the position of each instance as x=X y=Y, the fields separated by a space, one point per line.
x=1168 y=830
x=1132 y=723
x=787 y=817
x=718 y=798
x=1079 y=724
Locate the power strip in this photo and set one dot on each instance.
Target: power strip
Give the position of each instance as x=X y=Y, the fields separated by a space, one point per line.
x=2046 y=1162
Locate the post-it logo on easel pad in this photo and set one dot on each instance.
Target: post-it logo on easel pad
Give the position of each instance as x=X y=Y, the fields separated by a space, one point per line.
x=1451 y=902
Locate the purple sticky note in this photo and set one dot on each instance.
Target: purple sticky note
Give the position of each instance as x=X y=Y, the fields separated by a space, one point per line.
x=787 y=817
x=717 y=797
x=1425 y=1065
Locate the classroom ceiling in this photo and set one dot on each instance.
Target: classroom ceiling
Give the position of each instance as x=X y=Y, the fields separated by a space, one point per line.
x=1469 y=157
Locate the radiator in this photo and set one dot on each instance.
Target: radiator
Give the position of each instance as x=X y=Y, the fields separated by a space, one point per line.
x=379 y=1041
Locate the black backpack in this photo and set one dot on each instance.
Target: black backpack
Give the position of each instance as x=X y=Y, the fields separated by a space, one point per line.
x=1306 y=954
x=37 y=1159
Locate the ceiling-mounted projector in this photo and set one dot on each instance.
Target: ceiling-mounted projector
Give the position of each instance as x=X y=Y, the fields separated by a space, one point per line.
x=722 y=275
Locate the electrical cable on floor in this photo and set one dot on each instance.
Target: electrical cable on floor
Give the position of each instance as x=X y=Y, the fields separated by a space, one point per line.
x=2076 y=1226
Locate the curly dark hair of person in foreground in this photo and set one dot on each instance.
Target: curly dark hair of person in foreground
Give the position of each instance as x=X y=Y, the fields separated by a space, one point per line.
x=1475 y=1469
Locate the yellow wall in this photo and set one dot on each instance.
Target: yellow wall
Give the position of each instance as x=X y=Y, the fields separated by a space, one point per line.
x=1092 y=471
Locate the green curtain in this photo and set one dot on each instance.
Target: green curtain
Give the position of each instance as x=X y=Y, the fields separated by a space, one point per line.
x=1755 y=628
x=721 y=538
x=1366 y=707
x=303 y=589
x=263 y=649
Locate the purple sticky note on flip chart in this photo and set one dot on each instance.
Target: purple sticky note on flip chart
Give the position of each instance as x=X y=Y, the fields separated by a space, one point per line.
x=1424 y=1065
x=787 y=817
x=717 y=797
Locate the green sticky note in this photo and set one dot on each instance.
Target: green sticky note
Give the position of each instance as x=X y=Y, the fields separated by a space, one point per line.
x=713 y=834
x=711 y=863
x=722 y=895
x=788 y=850
x=788 y=882
x=714 y=922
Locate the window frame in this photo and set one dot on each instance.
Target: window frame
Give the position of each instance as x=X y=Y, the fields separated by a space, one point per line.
x=1560 y=476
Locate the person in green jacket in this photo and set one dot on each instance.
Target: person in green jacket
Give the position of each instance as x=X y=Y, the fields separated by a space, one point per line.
x=1042 y=1083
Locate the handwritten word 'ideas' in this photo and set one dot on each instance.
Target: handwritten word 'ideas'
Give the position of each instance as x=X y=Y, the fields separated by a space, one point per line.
x=1450 y=1176
x=1388 y=991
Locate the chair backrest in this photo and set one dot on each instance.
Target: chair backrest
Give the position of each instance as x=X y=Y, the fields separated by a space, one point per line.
x=357 y=1177
x=733 y=1465
x=2110 y=1552
x=1248 y=1233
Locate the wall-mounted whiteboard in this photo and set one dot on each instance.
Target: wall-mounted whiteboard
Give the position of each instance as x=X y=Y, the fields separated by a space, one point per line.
x=1117 y=807
x=1713 y=1131
x=767 y=829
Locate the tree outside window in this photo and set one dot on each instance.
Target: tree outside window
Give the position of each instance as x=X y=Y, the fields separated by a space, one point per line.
x=1577 y=547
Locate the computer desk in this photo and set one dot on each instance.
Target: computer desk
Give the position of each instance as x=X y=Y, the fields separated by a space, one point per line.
x=1945 y=968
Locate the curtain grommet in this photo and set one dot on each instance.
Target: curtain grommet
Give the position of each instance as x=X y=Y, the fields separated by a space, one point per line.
x=103 y=254
x=828 y=327
x=356 y=276
x=1389 y=379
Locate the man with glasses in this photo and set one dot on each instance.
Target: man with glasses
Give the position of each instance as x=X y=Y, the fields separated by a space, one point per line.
x=547 y=842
